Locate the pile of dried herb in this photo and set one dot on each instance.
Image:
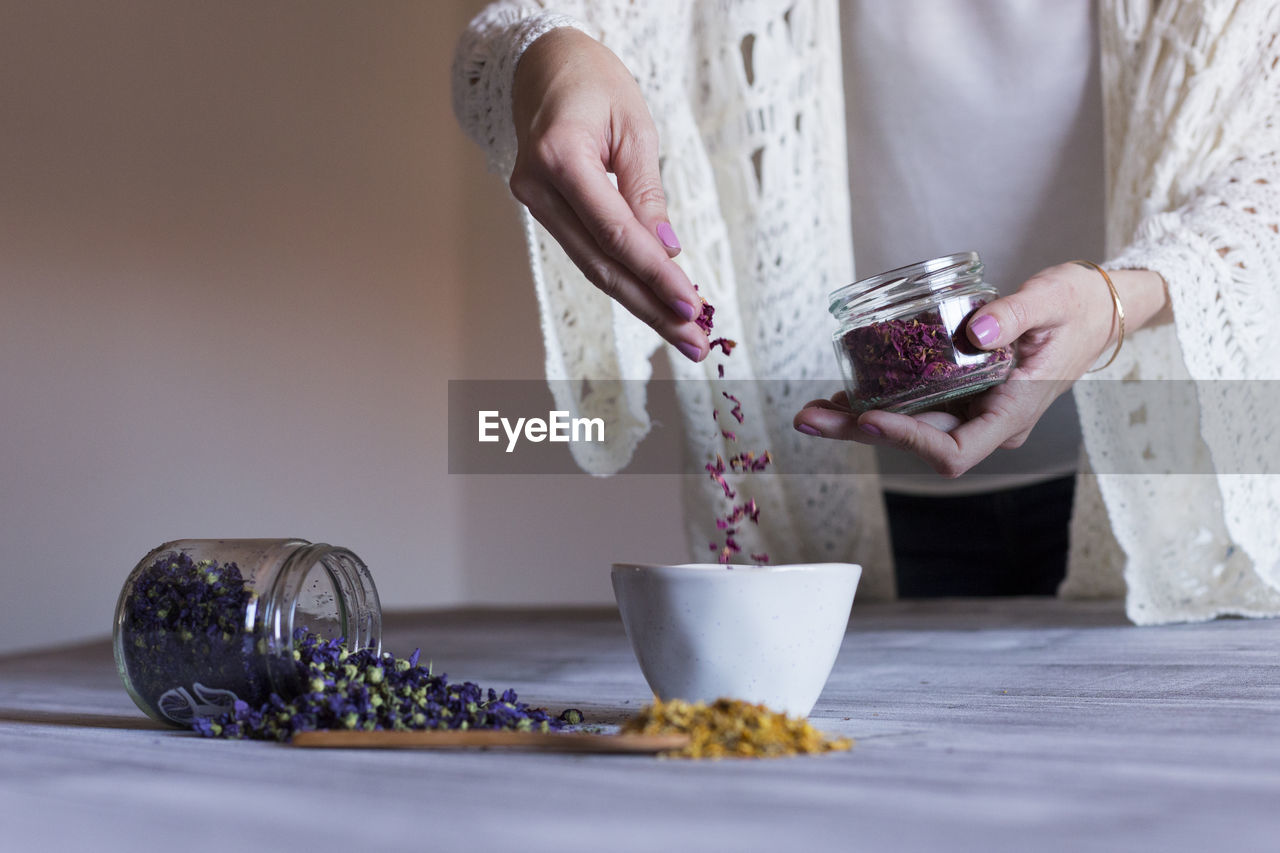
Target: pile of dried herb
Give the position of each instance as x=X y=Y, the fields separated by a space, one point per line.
x=893 y=357
x=190 y=654
x=727 y=523
x=369 y=691
x=731 y=728
x=185 y=624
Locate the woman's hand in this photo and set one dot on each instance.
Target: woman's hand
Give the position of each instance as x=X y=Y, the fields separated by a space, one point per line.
x=580 y=115
x=1059 y=322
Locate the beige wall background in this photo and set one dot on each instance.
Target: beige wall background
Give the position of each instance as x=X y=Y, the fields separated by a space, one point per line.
x=243 y=248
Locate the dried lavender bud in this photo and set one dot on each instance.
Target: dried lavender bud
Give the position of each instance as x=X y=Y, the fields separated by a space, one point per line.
x=186 y=645
x=365 y=690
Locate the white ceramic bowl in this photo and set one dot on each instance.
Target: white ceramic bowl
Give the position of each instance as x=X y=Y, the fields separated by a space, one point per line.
x=766 y=634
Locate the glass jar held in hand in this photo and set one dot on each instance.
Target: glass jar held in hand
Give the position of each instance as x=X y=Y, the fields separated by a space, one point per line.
x=1059 y=323
x=902 y=343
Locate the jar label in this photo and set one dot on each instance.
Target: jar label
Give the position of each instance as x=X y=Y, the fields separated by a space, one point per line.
x=182 y=708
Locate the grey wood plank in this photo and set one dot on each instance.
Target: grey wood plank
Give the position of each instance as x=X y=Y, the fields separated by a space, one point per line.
x=993 y=725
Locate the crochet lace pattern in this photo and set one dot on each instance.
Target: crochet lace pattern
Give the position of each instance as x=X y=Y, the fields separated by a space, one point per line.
x=1188 y=467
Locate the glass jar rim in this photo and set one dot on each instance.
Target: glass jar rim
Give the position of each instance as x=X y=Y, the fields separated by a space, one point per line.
x=932 y=275
x=359 y=608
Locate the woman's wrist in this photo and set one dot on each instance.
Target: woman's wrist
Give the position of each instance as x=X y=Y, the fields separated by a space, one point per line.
x=1145 y=297
x=1133 y=298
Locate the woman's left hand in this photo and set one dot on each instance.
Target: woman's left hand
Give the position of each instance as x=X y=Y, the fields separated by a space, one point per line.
x=1059 y=323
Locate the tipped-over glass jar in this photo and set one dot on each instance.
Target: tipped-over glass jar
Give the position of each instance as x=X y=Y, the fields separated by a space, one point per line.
x=902 y=345
x=203 y=622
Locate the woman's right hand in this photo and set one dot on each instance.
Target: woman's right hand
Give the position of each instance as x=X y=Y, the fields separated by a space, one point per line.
x=580 y=115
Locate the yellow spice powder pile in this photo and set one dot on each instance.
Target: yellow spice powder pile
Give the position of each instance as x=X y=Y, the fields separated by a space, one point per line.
x=731 y=728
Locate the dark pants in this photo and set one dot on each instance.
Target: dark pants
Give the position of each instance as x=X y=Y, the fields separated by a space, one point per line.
x=1011 y=542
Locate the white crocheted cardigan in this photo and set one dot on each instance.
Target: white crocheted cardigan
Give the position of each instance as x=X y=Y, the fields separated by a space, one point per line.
x=1179 y=505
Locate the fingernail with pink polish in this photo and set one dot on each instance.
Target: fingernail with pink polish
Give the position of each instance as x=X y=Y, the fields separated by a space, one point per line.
x=871 y=429
x=684 y=309
x=986 y=329
x=667 y=235
x=807 y=430
x=690 y=351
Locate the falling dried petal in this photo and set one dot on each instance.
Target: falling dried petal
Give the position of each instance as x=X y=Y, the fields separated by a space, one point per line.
x=736 y=411
x=739 y=463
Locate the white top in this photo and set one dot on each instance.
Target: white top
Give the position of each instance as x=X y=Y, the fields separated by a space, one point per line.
x=976 y=124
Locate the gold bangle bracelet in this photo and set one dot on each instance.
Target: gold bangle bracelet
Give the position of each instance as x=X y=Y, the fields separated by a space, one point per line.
x=1119 y=315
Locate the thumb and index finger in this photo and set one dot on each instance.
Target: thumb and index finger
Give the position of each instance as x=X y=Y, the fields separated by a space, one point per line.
x=618 y=232
x=629 y=227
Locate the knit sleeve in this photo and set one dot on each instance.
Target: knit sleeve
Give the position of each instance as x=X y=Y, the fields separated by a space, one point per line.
x=1219 y=254
x=1182 y=435
x=484 y=67
x=1220 y=257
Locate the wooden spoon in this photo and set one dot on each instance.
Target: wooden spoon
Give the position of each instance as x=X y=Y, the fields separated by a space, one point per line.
x=480 y=739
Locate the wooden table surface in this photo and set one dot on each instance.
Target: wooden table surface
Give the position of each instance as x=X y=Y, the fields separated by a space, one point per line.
x=1013 y=725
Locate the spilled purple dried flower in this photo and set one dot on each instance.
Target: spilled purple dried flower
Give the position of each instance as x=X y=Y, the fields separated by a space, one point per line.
x=185 y=628
x=370 y=691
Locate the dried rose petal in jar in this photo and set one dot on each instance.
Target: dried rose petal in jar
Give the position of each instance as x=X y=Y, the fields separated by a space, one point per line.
x=902 y=345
